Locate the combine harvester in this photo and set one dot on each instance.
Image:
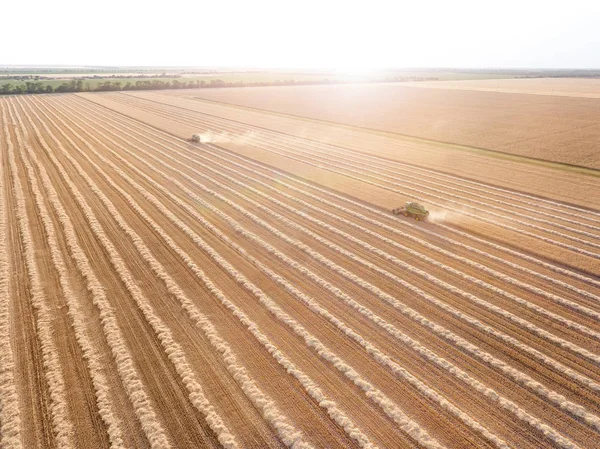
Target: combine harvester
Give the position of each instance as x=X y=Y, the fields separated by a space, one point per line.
x=196 y=138
x=412 y=210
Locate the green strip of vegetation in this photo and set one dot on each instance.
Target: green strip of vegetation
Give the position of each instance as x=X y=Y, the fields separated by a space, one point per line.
x=32 y=84
x=45 y=81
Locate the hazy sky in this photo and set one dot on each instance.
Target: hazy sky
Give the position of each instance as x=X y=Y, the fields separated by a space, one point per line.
x=307 y=33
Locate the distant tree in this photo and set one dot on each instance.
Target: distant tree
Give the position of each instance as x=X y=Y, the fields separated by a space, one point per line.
x=34 y=88
x=49 y=89
x=107 y=85
x=6 y=89
x=64 y=87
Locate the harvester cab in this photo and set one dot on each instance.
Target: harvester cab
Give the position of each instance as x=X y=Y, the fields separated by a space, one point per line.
x=411 y=209
x=196 y=138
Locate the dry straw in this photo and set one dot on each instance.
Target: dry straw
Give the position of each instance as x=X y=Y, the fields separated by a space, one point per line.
x=288 y=433
x=490 y=393
x=310 y=386
x=62 y=423
x=122 y=356
x=10 y=417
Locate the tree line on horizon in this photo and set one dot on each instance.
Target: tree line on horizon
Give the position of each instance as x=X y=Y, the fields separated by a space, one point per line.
x=78 y=85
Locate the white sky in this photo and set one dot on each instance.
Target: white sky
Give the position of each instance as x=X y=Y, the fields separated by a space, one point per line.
x=303 y=34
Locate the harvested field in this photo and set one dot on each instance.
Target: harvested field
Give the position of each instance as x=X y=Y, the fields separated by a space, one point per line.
x=551 y=128
x=255 y=291
x=565 y=87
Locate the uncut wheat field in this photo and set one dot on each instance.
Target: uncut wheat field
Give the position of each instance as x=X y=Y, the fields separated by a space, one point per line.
x=255 y=290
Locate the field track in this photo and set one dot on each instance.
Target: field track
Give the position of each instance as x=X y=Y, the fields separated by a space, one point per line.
x=246 y=292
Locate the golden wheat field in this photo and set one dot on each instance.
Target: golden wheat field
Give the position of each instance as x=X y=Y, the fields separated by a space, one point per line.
x=255 y=290
x=565 y=87
x=558 y=128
